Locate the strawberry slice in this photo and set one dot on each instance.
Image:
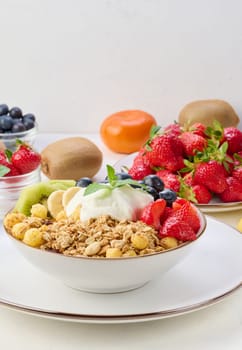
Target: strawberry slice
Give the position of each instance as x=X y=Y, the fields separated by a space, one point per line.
x=152 y=213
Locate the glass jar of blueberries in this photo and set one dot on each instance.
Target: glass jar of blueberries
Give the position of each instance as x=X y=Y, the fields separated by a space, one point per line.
x=14 y=124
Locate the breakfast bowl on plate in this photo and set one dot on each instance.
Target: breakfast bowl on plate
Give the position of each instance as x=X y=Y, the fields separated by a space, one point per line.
x=103 y=237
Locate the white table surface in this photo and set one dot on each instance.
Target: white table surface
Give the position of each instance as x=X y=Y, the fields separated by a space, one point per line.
x=218 y=327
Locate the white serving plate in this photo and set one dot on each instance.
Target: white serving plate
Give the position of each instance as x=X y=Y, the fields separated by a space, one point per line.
x=209 y=274
x=215 y=206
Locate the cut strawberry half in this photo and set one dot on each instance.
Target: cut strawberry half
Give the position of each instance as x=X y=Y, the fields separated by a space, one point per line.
x=152 y=213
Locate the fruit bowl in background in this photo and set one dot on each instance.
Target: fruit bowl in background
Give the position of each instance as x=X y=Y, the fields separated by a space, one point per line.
x=214 y=206
x=27 y=136
x=107 y=275
x=10 y=188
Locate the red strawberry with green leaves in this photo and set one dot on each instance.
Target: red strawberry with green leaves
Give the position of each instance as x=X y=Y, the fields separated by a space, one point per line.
x=234 y=138
x=198 y=129
x=165 y=151
x=212 y=175
x=140 y=168
x=170 y=180
x=201 y=194
x=188 y=179
x=233 y=192
x=174 y=227
x=174 y=129
x=196 y=193
x=152 y=213
x=192 y=143
x=25 y=159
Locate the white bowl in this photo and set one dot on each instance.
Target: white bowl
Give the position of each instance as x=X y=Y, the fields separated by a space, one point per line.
x=107 y=275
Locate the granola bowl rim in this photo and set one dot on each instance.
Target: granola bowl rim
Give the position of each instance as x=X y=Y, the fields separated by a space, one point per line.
x=199 y=234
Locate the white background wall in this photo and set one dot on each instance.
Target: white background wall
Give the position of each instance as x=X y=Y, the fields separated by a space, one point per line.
x=73 y=62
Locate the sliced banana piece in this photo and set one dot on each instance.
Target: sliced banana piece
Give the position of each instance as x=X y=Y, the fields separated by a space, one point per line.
x=75 y=202
x=69 y=194
x=54 y=202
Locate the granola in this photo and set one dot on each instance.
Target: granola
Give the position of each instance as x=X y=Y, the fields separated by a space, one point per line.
x=98 y=237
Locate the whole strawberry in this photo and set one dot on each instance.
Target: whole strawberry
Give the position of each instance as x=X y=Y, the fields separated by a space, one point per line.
x=211 y=174
x=202 y=194
x=234 y=138
x=174 y=227
x=184 y=211
x=25 y=159
x=174 y=129
x=192 y=143
x=233 y=192
x=170 y=180
x=198 y=129
x=140 y=168
x=165 y=151
x=237 y=173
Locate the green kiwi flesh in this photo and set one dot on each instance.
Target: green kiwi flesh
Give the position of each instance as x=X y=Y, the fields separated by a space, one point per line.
x=37 y=193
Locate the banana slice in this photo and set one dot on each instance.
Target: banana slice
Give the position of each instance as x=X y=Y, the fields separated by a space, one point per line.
x=69 y=194
x=54 y=202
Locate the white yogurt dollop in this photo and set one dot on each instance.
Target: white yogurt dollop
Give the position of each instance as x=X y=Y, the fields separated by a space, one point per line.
x=122 y=203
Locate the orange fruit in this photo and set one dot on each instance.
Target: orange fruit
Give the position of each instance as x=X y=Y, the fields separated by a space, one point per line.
x=126 y=131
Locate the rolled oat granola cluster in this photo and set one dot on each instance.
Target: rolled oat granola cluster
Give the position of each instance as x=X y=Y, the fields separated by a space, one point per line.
x=102 y=237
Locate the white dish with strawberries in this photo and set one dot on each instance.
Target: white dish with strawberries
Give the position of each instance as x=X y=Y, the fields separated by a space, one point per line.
x=215 y=204
x=201 y=164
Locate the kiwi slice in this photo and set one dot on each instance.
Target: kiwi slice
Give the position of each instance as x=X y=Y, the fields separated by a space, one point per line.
x=37 y=193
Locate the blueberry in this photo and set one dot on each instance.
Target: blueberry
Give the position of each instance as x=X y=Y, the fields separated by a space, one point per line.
x=154 y=181
x=123 y=176
x=28 y=123
x=18 y=127
x=168 y=195
x=83 y=182
x=3 y=109
x=29 y=116
x=153 y=192
x=6 y=122
x=17 y=120
x=15 y=112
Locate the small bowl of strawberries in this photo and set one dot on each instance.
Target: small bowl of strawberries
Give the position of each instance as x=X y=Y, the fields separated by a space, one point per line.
x=18 y=169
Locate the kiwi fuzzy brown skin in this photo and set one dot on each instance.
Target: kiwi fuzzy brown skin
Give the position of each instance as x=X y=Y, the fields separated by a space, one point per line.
x=206 y=111
x=71 y=158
